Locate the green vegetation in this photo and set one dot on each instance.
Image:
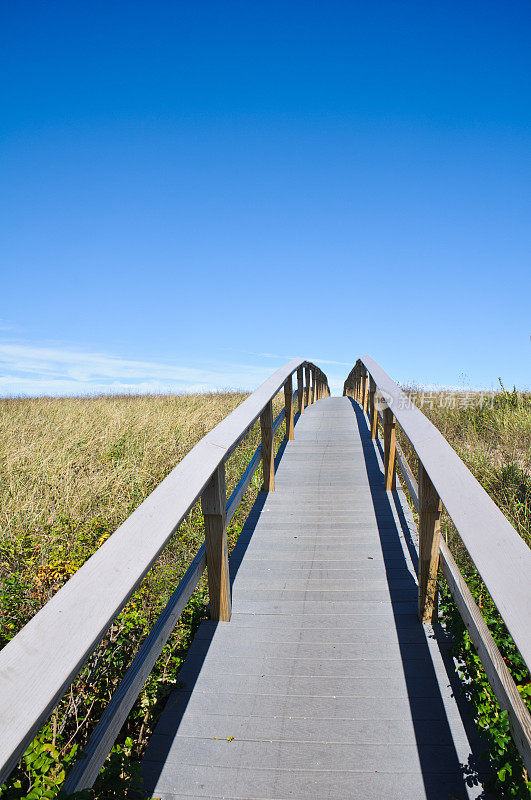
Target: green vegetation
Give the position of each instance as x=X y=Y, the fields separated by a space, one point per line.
x=72 y=470
x=492 y=435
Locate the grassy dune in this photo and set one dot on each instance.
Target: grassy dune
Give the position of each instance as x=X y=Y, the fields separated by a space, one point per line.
x=492 y=435
x=73 y=469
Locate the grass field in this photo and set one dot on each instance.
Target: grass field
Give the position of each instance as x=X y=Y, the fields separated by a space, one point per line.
x=73 y=469
x=492 y=435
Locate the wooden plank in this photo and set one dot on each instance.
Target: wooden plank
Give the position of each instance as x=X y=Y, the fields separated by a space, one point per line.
x=288 y=405
x=407 y=474
x=268 y=462
x=501 y=556
x=213 y=502
x=40 y=662
x=298 y=784
x=243 y=484
x=430 y=508
x=86 y=769
x=497 y=673
x=309 y=665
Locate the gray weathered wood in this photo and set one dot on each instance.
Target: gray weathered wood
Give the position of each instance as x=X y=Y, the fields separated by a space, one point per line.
x=40 y=662
x=85 y=771
x=409 y=478
x=243 y=484
x=324 y=667
x=500 y=555
x=497 y=673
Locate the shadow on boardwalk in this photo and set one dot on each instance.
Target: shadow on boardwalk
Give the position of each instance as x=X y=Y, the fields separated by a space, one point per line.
x=392 y=549
x=441 y=770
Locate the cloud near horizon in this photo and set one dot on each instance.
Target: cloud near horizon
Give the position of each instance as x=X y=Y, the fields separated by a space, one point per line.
x=32 y=370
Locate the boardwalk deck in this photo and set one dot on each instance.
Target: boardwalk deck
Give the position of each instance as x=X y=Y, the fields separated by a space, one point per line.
x=324 y=684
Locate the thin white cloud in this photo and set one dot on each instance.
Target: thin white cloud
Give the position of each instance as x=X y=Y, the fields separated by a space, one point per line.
x=35 y=370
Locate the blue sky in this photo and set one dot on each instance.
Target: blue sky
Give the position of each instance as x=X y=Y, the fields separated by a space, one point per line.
x=193 y=193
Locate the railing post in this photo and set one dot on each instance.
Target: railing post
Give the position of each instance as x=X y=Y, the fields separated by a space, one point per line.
x=307 y=388
x=314 y=385
x=300 y=389
x=430 y=508
x=364 y=390
x=288 y=404
x=213 y=507
x=373 y=411
x=389 y=448
x=268 y=461
x=357 y=391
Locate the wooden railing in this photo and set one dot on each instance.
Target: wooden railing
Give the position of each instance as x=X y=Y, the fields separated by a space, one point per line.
x=500 y=555
x=41 y=661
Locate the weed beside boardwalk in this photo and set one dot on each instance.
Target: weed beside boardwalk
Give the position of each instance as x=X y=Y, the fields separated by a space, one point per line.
x=492 y=435
x=72 y=470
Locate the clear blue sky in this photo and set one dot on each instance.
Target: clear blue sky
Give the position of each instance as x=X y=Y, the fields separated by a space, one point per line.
x=195 y=192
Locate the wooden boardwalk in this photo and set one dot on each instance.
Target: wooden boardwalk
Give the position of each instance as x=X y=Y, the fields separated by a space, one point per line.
x=323 y=684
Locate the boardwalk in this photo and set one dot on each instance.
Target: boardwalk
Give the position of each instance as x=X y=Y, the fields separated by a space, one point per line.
x=324 y=684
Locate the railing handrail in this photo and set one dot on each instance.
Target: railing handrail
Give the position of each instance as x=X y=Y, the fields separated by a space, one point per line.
x=42 y=660
x=501 y=556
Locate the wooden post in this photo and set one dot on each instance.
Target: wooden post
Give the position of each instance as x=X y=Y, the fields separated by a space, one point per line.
x=213 y=507
x=288 y=403
x=430 y=508
x=307 y=388
x=300 y=389
x=268 y=461
x=389 y=448
x=314 y=385
x=364 y=390
x=373 y=411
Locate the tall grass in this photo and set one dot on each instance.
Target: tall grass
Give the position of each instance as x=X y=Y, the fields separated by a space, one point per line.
x=492 y=435
x=71 y=471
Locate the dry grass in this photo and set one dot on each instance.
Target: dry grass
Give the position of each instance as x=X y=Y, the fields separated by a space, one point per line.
x=73 y=469
x=492 y=435
x=80 y=459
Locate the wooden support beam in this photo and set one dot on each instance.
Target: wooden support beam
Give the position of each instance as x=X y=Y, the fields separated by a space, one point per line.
x=430 y=508
x=288 y=403
x=389 y=448
x=364 y=390
x=314 y=385
x=373 y=411
x=268 y=461
x=307 y=387
x=496 y=670
x=300 y=389
x=213 y=502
